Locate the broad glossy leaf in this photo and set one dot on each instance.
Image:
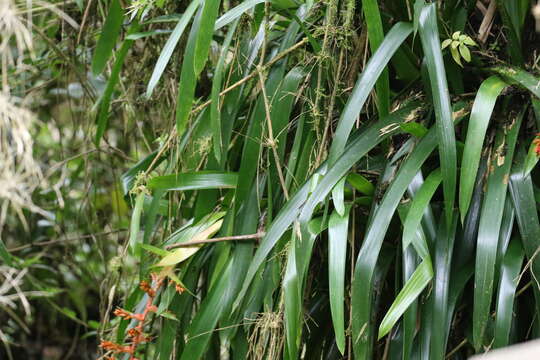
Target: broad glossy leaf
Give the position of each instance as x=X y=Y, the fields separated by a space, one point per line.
x=210 y=311
x=360 y=183
x=188 y=76
x=531 y=160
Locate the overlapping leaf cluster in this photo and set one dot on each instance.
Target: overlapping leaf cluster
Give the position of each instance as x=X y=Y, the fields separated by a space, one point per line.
x=396 y=189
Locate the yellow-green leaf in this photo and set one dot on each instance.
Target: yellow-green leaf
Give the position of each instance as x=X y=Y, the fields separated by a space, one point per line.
x=181 y=254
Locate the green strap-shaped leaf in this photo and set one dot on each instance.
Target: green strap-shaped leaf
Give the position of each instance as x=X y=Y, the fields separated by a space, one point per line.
x=531 y=160
x=364 y=85
x=201 y=328
x=478 y=122
x=521 y=189
x=508 y=283
x=520 y=77
x=337 y=257
x=512 y=26
x=360 y=93
x=194 y=181
x=292 y=306
x=108 y=38
x=215 y=113
x=441 y=288
x=373 y=20
x=204 y=35
x=418 y=207
x=105 y=101
x=338 y=197
x=300 y=250
x=410 y=317
x=235 y=13
x=429 y=34
x=361 y=184
x=145 y=34
x=172 y=41
x=423 y=274
x=282 y=105
x=490 y=226
x=410 y=292
x=188 y=76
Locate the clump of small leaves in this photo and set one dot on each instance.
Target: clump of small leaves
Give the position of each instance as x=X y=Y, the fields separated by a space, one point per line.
x=459 y=47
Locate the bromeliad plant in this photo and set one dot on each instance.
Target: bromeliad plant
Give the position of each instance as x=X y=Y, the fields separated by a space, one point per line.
x=388 y=214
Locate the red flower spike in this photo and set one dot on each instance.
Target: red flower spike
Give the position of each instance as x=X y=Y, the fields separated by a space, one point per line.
x=136 y=334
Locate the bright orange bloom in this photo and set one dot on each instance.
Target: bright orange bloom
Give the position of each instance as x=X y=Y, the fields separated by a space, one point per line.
x=127 y=315
x=536 y=142
x=145 y=286
x=117 y=348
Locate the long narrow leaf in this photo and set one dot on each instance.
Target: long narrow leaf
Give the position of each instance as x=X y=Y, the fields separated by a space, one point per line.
x=363 y=86
x=215 y=114
x=429 y=35
x=372 y=16
x=337 y=257
x=168 y=49
x=105 y=101
x=511 y=266
x=109 y=36
x=489 y=228
x=480 y=115
x=194 y=181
